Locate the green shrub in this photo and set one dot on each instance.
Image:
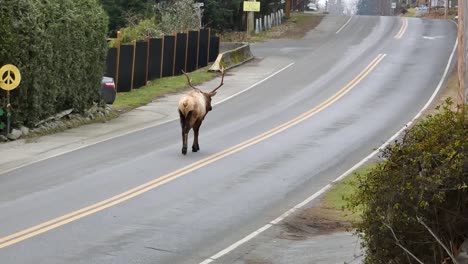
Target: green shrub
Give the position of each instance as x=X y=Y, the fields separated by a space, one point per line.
x=179 y=17
x=60 y=48
x=140 y=31
x=2 y=116
x=421 y=181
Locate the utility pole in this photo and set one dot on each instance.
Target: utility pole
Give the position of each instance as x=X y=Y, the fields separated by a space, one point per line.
x=288 y=8
x=446 y=9
x=462 y=52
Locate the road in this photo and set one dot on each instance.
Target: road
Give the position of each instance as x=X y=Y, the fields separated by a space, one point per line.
x=345 y=89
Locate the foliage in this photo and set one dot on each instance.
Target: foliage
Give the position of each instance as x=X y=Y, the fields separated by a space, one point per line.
x=223 y=15
x=2 y=115
x=226 y=15
x=140 y=30
x=422 y=180
x=59 y=47
x=178 y=17
x=119 y=11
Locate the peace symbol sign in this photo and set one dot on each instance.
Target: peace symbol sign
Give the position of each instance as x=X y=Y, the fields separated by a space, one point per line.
x=10 y=77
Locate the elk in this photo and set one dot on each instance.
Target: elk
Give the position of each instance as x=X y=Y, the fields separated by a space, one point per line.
x=193 y=107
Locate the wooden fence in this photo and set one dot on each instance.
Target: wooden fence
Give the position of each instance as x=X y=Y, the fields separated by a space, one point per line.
x=134 y=64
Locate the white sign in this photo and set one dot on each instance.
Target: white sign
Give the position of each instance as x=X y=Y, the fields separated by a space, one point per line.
x=393 y=5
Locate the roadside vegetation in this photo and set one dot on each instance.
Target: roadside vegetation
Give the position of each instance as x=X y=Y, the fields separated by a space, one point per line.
x=60 y=50
x=338 y=197
x=414 y=203
x=436 y=13
x=411 y=205
x=293 y=28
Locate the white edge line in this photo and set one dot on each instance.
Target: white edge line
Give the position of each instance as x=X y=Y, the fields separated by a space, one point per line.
x=142 y=128
x=342 y=27
x=328 y=186
x=255 y=84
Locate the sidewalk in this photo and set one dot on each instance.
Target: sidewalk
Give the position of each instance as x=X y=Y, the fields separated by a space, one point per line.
x=22 y=152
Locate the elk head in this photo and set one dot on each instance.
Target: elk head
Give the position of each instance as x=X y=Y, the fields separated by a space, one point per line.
x=193 y=108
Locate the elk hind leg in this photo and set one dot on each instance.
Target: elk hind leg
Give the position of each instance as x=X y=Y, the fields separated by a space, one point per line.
x=196 y=128
x=185 y=124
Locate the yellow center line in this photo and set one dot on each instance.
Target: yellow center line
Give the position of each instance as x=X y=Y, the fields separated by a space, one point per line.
x=117 y=199
x=403 y=28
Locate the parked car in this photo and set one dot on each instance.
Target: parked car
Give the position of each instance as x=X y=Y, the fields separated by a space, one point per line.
x=108 y=91
x=312 y=7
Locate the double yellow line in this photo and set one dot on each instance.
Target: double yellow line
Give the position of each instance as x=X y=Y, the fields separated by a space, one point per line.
x=73 y=216
x=403 y=28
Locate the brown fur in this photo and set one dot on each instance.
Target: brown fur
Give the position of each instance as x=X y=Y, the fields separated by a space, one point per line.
x=193 y=108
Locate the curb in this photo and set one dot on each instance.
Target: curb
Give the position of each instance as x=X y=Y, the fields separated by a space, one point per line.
x=233 y=57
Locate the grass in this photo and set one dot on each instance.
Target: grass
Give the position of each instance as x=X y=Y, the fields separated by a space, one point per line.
x=438 y=13
x=335 y=198
x=411 y=12
x=158 y=88
x=295 y=27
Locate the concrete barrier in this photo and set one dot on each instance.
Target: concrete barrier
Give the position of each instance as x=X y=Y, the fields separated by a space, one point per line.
x=232 y=55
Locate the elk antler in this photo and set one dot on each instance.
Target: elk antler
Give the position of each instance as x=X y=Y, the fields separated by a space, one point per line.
x=189 y=81
x=222 y=80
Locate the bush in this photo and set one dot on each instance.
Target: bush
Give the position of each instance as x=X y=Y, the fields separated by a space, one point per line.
x=175 y=17
x=179 y=17
x=60 y=48
x=419 y=188
x=140 y=30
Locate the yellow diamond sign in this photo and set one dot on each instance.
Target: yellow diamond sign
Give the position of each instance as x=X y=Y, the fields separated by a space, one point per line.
x=251 y=6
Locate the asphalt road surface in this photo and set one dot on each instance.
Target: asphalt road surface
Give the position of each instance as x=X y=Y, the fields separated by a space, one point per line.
x=135 y=199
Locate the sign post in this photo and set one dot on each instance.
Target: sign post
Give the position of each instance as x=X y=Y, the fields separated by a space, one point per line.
x=251 y=6
x=10 y=78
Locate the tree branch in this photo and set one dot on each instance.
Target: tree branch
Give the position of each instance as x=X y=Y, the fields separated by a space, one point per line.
x=401 y=246
x=437 y=239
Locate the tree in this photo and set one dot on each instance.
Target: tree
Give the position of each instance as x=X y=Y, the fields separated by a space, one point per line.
x=120 y=10
x=223 y=14
x=178 y=16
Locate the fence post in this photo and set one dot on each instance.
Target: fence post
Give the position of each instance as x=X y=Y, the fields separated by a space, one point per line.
x=186 y=50
x=198 y=48
x=175 y=52
x=147 y=58
x=209 y=47
x=133 y=64
x=117 y=45
x=162 y=56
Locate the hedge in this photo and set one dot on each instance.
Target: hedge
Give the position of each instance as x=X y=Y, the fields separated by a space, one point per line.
x=60 y=48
